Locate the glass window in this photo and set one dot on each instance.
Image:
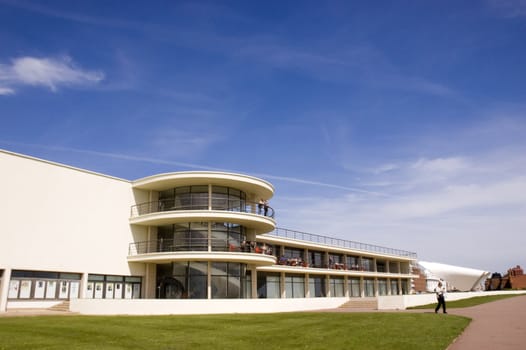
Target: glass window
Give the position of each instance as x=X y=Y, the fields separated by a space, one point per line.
x=226 y=280
x=316 y=259
x=353 y=263
x=393 y=267
x=354 y=287
x=368 y=264
x=294 y=286
x=368 y=287
x=382 y=286
x=269 y=285
x=394 y=287
x=317 y=286
x=337 y=286
x=381 y=266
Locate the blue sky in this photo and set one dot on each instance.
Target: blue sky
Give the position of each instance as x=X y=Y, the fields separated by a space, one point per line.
x=396 y=123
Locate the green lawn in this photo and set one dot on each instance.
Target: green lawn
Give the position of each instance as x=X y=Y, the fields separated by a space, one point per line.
x=468 y=302
x=262 y=331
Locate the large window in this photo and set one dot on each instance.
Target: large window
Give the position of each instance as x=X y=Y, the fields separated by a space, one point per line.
x=354 y=287
x=227 y=236
x=227 y=280
x=295 y=286
x=197 y=198
x=368 y=287
x=317 y=287
x=393 y=267
x=382 y=286
x=368 y=264
x=317 y=259
x=31 y=285
x=269 y=285
x=182 y=280
x=113 y=287
x=183 y=237
x=336 y=285
x=394 y=287
x=353 y=262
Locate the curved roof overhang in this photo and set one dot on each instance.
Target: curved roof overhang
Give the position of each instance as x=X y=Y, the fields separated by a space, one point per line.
x=251 y=185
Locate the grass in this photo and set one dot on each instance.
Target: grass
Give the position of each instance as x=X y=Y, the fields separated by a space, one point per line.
x=262 y=331
x=468 y=302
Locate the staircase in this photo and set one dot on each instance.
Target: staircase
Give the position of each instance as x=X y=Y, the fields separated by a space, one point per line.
x=360 y=304
x=63 y=307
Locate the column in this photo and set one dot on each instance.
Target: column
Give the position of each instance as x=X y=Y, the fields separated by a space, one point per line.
x=254 y=282
x=4 y=289
x=83 y=285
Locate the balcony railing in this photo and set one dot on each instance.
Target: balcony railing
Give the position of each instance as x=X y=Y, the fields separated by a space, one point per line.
x=341 y=243
x=197 y=244
x=201 y=203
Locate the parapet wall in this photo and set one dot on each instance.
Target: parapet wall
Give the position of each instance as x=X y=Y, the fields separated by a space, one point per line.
x=402 y=302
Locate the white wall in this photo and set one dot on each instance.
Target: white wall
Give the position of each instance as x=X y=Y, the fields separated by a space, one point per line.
x=195 y=307
x=401 y=302
x=58 y=218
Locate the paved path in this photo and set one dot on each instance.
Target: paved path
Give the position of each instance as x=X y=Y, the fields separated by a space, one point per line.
x=499 y=325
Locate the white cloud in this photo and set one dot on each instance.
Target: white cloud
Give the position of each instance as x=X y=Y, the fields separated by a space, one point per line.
x=48 y=72
x=6 y=91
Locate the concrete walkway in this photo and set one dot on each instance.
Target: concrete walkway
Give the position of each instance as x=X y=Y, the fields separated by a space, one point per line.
x=499 y=325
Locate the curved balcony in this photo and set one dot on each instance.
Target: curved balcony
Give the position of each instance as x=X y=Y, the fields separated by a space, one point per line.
x=199 y=249
x=249 y=214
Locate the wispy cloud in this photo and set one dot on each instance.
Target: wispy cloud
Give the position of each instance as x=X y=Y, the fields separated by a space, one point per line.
x=509 y=8
x=160 y=161
x=47 y=72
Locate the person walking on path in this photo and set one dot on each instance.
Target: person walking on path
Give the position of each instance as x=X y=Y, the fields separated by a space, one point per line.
x=440 y=291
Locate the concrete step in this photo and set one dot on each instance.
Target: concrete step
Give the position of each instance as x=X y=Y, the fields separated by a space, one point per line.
x=360 y=303
x=63 y=306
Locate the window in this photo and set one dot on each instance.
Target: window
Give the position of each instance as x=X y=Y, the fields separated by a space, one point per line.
x=368 y=287
x=354 y=287
x=394 y=287
x=382 y=286
x=226 y=280
x=317 y=286
x=295 y=286
x=336 y=286
x=269 y=285
x=316 y=259
x=353 y=263
x=393 y=267
x=367 y=264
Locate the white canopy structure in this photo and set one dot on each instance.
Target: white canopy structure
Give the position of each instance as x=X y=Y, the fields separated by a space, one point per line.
x=457 y=278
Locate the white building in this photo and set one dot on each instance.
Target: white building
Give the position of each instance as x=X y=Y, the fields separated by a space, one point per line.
x=457 y=278
x=186 y=241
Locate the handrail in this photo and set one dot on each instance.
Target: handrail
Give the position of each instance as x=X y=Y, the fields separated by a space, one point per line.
x=201 y=203
x=196 y=244
x=336 y=242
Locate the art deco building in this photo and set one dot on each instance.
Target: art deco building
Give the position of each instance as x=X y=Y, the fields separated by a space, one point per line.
x=186 y=240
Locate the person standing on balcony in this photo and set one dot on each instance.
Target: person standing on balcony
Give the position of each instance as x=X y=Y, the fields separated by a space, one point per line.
x=261 y=204
x=440 y=291
x=265 y=206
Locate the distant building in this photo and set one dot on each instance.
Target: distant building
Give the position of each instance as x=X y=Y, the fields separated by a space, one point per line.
x=513 y=279
x=457 y=278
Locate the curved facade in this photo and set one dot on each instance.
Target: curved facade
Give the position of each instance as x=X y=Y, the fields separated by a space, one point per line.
x=179 y=236
x=201 y=233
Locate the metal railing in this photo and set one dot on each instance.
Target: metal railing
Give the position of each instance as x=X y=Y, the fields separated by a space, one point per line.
x=341 y=243
x=197 y=244
x=201 y=203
